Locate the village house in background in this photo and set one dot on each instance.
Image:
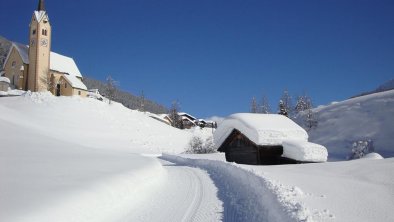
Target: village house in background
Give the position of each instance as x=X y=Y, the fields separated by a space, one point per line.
x=188 y=121
x=36 y=68
x=249 y=138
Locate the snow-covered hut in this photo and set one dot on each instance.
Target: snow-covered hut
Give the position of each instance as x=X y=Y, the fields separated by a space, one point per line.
x=248 y=138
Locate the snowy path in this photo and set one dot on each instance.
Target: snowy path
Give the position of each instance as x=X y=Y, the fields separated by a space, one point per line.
x=187 y=194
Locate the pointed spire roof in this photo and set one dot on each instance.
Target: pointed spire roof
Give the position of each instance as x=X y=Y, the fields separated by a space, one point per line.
x=41 y=6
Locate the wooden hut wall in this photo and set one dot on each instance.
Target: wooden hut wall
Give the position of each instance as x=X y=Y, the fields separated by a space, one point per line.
x=240 y=149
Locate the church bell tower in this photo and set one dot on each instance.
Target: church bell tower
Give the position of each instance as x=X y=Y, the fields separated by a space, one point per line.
x=39 y=50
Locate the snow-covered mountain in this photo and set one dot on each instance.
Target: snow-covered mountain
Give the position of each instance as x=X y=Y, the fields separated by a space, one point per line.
x=389 y=85
x=365 y=117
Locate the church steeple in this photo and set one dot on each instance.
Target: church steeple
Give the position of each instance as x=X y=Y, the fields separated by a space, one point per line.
x=41 y=6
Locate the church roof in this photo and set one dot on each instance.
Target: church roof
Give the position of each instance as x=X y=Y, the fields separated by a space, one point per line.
x=39 y=15
x=75 y=82
x=59 y=63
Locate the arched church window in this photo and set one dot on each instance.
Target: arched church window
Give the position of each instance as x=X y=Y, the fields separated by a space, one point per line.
x=44 y=32
x=13 y=64
x=34 y=32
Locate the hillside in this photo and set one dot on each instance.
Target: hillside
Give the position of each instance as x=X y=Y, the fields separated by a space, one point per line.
x=87 y=122
x=365 y=117
x=127 y=99
x=389 y=85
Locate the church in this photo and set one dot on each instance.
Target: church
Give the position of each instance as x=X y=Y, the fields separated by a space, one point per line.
x=36 y=68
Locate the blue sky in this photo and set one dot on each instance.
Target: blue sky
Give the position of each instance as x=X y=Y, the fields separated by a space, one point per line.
x=214 y=56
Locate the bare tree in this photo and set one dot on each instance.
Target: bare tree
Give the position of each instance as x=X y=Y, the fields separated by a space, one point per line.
x=142 y=102
x=176 y=120
x=253 y=106
x=110 y=88
x=310 y=119
x=264 y=106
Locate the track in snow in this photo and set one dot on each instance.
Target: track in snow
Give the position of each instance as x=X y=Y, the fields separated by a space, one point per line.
x=186 y=194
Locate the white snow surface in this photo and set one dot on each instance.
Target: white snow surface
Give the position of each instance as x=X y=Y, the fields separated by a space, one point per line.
x=304 y=151
x=365 y=117
x=64 y=64
x=374 y=156
x=358 y=190
x=75 y=82
x=262 y=129
x=39 y=15
x=5 y=79
x=79 y=159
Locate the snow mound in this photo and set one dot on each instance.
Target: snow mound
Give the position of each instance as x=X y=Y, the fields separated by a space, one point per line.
x=5 y=79
x=262 y=129
x=304 y=151
x=373 y=156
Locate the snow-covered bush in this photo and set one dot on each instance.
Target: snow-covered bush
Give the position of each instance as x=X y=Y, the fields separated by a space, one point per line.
x=360 y=148
x=198 y=146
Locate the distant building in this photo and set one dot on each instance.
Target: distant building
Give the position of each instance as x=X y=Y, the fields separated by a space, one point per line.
x=36 y=68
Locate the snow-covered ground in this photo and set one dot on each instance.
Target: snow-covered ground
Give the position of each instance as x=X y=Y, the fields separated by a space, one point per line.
x=358 y=190
x=75 y=159
x=365 y=117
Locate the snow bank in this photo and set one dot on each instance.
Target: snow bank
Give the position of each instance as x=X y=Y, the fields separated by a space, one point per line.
x=374 y=156
x=248 y=197
x=47 y=179
x=304 y=151
x=262 y=129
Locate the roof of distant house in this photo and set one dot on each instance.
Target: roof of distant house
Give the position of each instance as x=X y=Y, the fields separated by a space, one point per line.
x=187 y=115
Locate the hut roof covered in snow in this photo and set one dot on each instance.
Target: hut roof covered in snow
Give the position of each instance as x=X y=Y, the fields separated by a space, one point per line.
x=262 y=129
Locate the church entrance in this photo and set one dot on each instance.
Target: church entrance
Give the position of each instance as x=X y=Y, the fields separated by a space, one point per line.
x=58 y=90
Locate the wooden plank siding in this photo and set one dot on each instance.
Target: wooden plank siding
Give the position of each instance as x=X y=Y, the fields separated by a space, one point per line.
x=238 y=148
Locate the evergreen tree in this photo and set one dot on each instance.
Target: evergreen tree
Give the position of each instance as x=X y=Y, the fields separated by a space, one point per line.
x=282 y=109
x=287 y=104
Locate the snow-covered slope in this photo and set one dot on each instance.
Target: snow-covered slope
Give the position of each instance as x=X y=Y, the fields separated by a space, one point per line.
x=366 y=117
x=75 y=159
x=91 y=123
